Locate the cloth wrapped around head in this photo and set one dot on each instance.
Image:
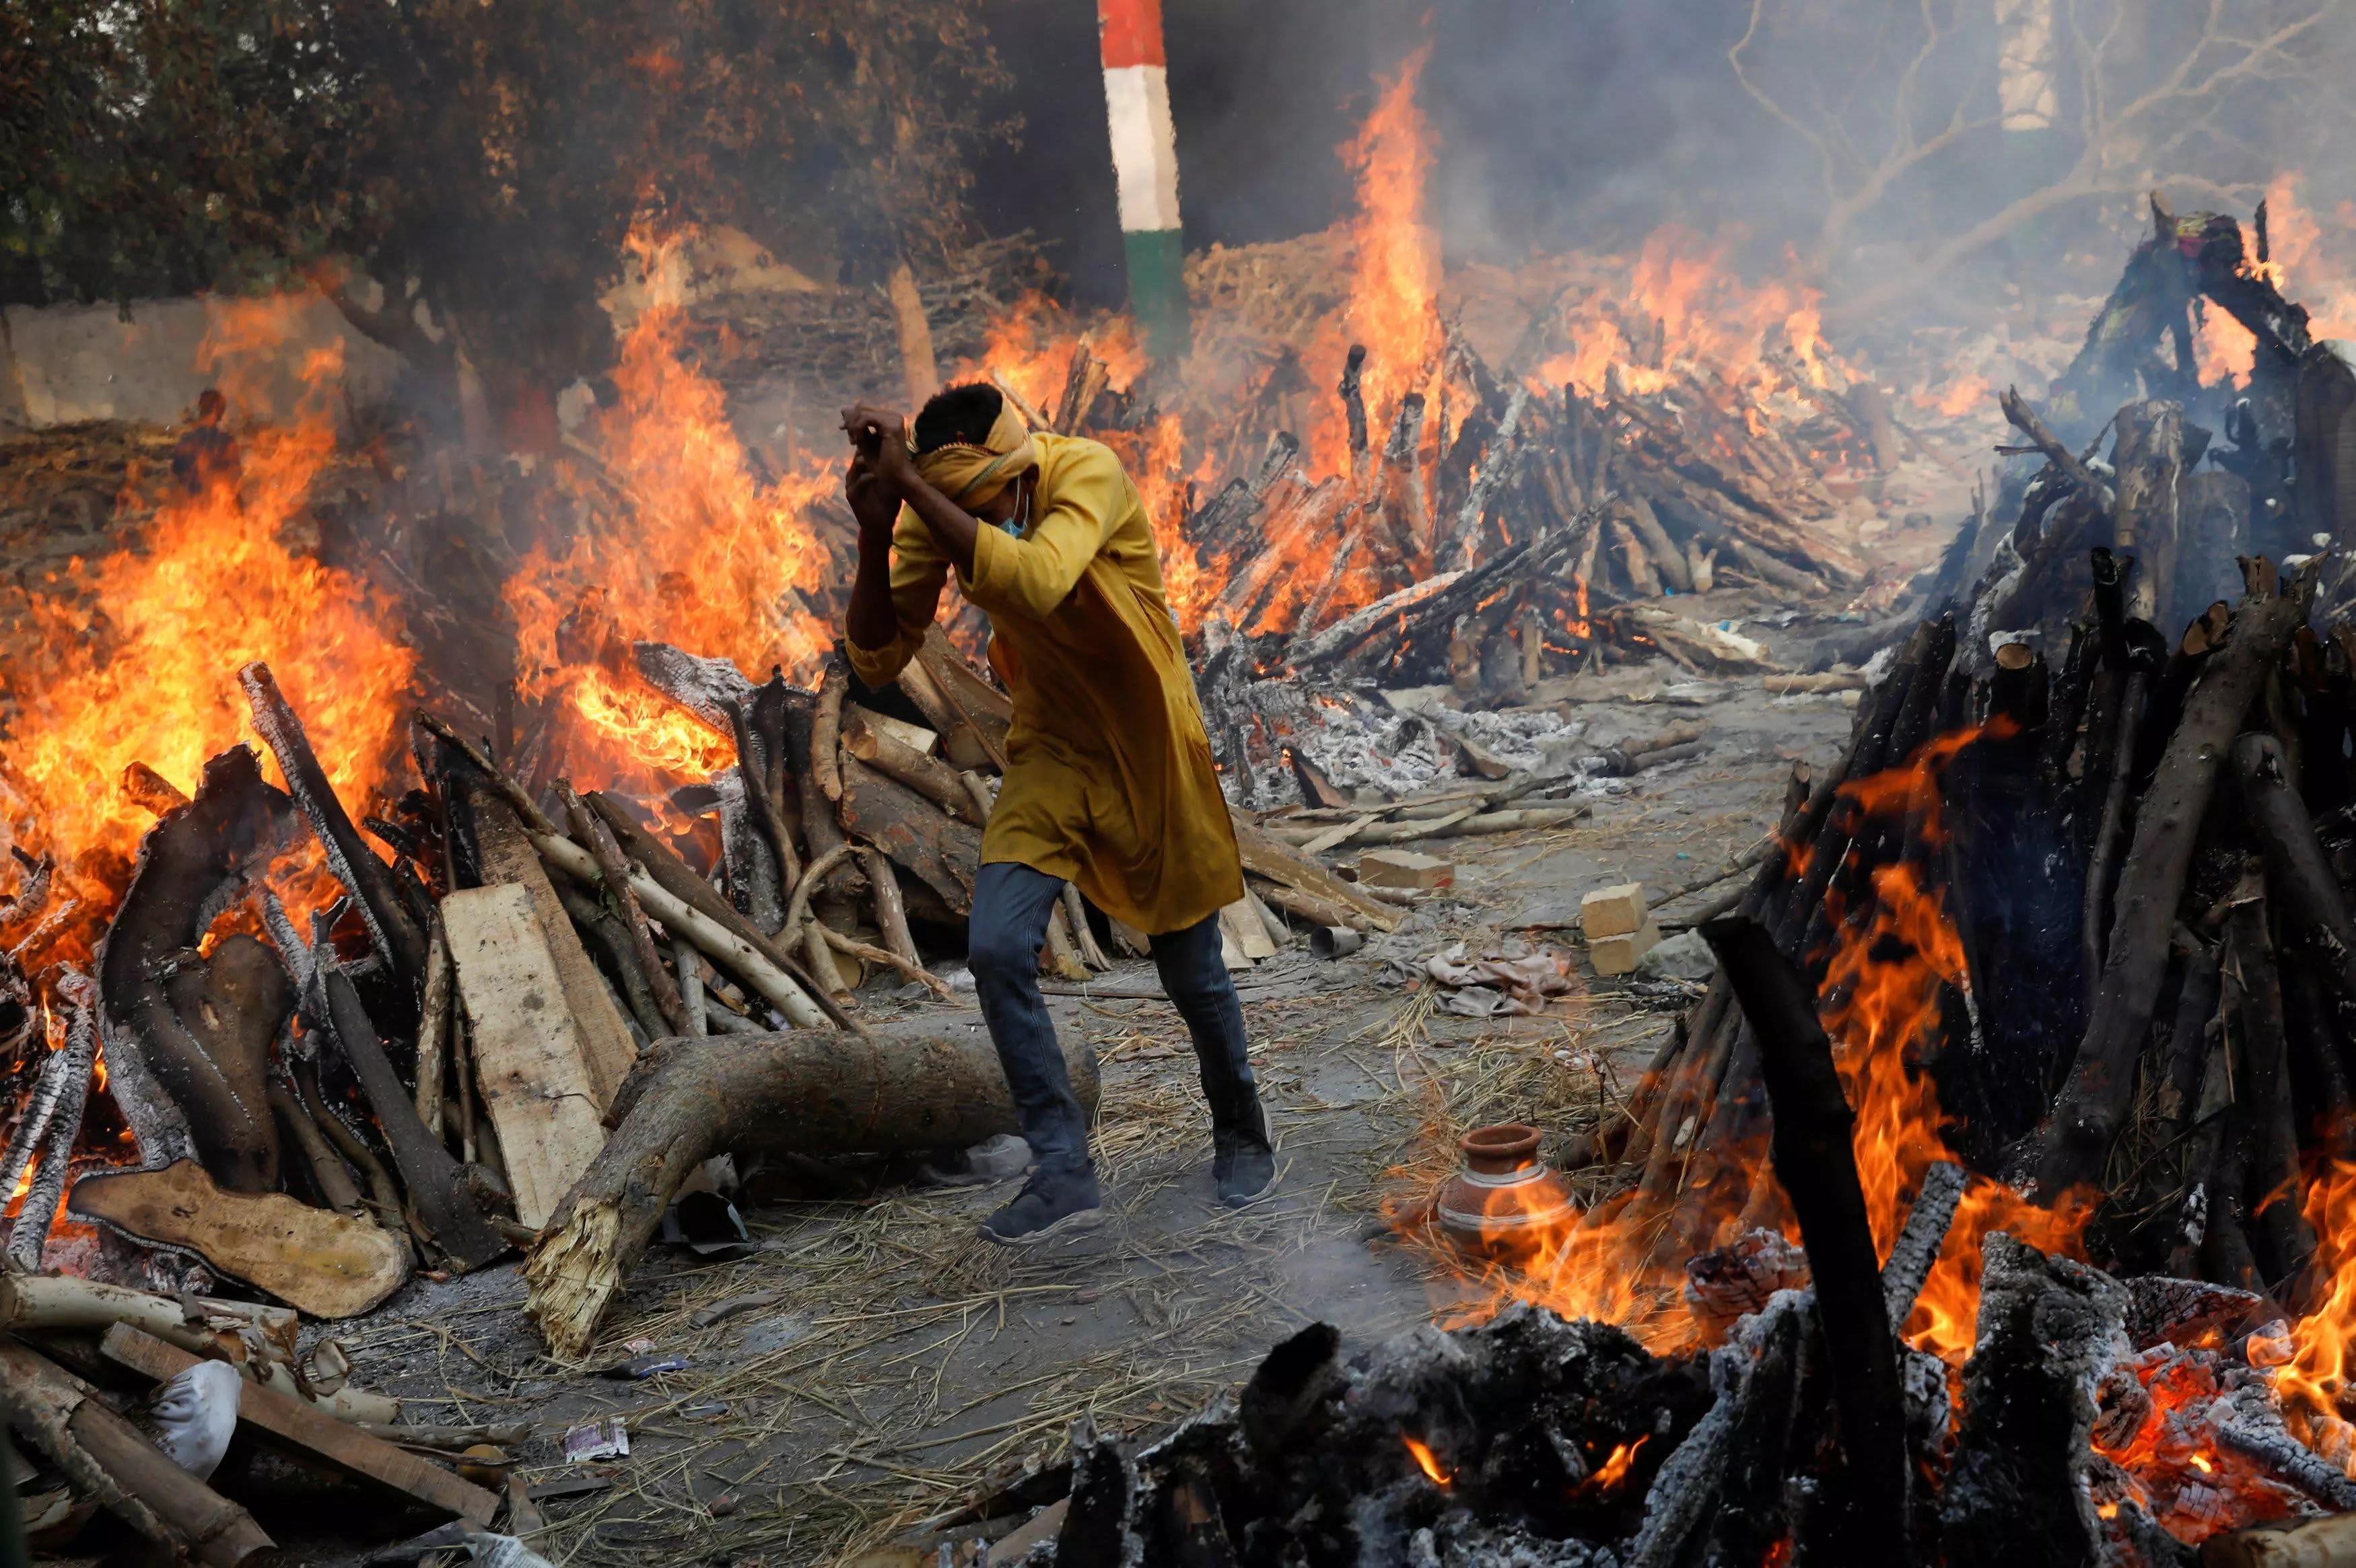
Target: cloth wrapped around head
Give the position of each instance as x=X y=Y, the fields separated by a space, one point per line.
x=971 y=475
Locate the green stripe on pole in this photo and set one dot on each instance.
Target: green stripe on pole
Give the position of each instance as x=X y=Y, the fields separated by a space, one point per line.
x=1157 y=289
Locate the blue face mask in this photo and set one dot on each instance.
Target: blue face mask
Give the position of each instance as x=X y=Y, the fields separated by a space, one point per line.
x=1020 y=523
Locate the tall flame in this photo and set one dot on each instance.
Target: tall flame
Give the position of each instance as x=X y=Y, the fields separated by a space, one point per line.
x=150 y=675
x=709 y=557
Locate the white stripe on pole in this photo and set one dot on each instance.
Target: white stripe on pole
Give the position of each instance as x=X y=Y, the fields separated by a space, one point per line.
x=1144 y=147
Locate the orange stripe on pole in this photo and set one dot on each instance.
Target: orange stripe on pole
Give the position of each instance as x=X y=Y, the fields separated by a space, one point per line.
x=1131 y=31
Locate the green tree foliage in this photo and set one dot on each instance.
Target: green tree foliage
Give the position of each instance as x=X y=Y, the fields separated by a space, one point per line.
x=150 y=149
x=494 y=153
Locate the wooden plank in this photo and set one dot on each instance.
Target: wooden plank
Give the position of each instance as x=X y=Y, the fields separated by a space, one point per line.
x=342 y=1446
x=529 y=1058
x=607 y=1049
x=327 y=1264
x=1279 y=862
x=1242 y=924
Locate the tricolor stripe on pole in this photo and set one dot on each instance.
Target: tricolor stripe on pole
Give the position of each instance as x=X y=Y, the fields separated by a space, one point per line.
x=1145 y=165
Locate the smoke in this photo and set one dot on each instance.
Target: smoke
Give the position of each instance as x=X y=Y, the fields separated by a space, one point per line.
x=1587 y=124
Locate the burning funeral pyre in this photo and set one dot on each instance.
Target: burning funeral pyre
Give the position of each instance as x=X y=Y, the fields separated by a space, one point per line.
x=1993 y=1199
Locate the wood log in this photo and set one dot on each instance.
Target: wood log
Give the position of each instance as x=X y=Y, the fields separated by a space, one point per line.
x=434 y=1029
x=392 y=930
x=383 y=1202
x=1407 y=518
x=690 y=985
x=205 y=1325
x=428 y=1175
x=53 y=1115
x=1916 y=1250
x=811 y=1092
x=2092 y=1104
x=980 y=708
x=667 y=871
x=2145 y=517
x=1076 y=911
x=176 y=1096
x=928 y=776
x=940 y=851
x=826 y=730
x=2048 y=1333
x=771 y=980
x=342 y=1447
x=1816 y=1164
x=881 y=958
x=891 y=914
x=1635 y=562
x=593 y=835
x=2102 y=862
x=328 y=1265
x=528 y=1055
x=752 y=767
x=598 y=926
x=2024 y=419
x=105 y=1454
x=329 y=1173
x=1278 y=862
x=2263 y=1095
x=30 y=1234
x=748 y=863
x=2307 y=891
x=1666 y=559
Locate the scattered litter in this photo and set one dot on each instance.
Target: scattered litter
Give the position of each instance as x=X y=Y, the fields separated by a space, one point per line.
x=194 y=1414
x=568 y=1487
x=1496 y=984
x=708 y=1225
x=594 y=1440
x=721 y=1311
x=641 y=1367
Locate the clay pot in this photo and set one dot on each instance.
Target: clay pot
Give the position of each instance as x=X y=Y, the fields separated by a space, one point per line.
x=1505 y=1201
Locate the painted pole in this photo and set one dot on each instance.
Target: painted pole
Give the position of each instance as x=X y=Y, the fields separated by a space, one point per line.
x=1145 y=166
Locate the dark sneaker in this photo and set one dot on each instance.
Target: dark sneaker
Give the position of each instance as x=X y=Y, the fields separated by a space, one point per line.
x=1245 y=1172
x=1052 y=1204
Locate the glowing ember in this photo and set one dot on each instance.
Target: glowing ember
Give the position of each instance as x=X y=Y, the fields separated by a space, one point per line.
x=1615 y=1469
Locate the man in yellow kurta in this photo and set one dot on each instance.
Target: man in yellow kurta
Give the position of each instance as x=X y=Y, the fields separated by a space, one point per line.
x=1109 y=780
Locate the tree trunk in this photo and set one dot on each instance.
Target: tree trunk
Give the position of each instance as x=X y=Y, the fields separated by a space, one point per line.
x=809 y=1092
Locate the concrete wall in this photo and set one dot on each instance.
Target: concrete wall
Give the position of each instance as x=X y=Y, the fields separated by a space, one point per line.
x=276 y=358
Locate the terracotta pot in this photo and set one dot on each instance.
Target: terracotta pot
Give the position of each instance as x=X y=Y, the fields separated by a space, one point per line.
x=1505 y=1200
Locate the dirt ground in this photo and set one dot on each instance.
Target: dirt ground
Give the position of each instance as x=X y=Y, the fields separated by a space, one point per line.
x=906 y=1365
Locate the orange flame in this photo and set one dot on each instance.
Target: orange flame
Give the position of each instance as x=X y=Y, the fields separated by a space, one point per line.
x=1685 y=311
x=710 y=558
x=1426 y=1462
x=218 y=580
x=1615 y=1469
x=1889 y=974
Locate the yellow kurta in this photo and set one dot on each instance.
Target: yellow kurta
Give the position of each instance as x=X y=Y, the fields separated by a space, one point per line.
x=1108 y=776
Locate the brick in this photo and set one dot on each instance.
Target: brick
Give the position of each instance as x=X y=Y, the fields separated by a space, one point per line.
x=1612 y=911
x=1618 y=955
x=1405 y=868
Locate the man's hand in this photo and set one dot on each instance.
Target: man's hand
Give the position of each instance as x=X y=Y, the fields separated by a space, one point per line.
x=874 y=501
x=881 y=437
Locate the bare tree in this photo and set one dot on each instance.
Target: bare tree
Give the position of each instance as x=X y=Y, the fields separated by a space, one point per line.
x=2205 y=101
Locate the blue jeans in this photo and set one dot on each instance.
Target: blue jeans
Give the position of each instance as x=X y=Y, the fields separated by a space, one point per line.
x=1012 y=905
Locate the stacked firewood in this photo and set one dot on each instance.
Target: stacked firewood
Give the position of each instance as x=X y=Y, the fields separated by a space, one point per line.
x=1536 y=509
